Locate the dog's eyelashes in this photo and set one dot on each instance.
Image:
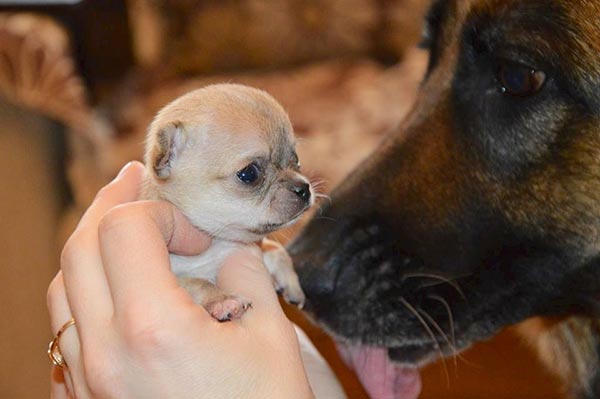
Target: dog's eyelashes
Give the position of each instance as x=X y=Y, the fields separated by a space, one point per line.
x=249 y=174
x=519 y=80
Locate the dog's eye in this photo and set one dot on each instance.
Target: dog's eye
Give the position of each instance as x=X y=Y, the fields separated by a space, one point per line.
x=431 y=31
x=249 y=174
x=519 y=80
x=427 y=35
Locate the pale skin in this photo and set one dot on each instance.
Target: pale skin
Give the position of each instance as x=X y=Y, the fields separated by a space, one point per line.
x=139 y=334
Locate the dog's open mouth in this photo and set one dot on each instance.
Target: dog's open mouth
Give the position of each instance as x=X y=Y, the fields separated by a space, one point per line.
x=382 y=378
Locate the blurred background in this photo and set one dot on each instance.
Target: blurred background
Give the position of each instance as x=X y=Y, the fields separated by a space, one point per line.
x=80 y=81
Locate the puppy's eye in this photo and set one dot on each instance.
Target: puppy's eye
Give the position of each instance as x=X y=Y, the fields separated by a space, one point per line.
x=249 y=174
x=519 y=80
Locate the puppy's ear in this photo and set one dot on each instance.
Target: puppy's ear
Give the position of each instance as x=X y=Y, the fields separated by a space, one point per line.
x=168 y=144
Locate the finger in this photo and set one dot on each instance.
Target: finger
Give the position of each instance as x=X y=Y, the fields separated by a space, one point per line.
x=58 y=387
x=71 y=391
x=61 y=386
x=68 y=345
x=244 y=274
x=87 y=288
x=135 y=242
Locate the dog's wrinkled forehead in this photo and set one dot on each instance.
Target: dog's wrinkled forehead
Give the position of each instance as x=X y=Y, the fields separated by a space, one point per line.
x=558 y=32
x=564 y=23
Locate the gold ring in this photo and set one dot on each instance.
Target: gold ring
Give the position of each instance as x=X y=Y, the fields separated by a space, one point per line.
x=54 y=350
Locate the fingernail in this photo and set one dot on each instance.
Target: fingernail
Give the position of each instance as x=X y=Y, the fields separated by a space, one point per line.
x=124 y=169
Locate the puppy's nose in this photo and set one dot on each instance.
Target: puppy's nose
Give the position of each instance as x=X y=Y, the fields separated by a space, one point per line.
x=302 y=190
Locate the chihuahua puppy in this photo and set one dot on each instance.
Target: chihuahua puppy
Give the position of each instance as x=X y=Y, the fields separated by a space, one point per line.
x=225 y=156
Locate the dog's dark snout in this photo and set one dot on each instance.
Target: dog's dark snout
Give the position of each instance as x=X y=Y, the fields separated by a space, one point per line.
x=302 y=190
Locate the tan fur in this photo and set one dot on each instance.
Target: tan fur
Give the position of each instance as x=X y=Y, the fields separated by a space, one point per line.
x=195 y=147
x=565 y=211
x=559 y=200
x=567 y=347
x=280 y=265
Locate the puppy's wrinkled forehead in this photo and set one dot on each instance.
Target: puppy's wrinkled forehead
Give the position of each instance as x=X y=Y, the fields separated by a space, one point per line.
x=227 y=110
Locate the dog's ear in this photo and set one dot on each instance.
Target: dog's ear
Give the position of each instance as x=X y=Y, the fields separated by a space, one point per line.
x=168 y=143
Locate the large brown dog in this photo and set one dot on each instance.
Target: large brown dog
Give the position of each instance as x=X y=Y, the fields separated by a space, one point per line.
x=482 y=210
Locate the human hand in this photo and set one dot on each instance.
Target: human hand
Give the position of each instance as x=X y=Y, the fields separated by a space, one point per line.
x=138 y=334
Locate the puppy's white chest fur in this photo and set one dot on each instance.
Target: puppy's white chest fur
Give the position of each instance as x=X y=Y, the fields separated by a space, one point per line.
x=207 y=264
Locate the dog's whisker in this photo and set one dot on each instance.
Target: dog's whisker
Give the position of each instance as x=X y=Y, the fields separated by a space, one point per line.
x=317 y=185
x=315 y=181
x=451 y=322
x=441 y=280
x=314 y=177
x=430 y=333
x=454 y=285
x=450 y=315
x=443 y=334
x=436 y=276
x=325 y=218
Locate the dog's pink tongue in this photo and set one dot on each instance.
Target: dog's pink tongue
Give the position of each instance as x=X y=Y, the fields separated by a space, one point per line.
x=381 y=378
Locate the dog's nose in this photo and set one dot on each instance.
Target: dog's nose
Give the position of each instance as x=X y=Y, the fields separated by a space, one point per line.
x=302 y=190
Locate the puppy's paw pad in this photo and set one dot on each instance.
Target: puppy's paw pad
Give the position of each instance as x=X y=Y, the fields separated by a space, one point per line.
x=229 y=308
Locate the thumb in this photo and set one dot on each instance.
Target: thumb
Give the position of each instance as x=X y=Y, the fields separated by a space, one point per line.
x=243 y=273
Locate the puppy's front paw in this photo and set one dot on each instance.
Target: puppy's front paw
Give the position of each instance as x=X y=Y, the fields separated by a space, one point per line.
x=285 y=279
x=291 y=292
x=228 y=307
